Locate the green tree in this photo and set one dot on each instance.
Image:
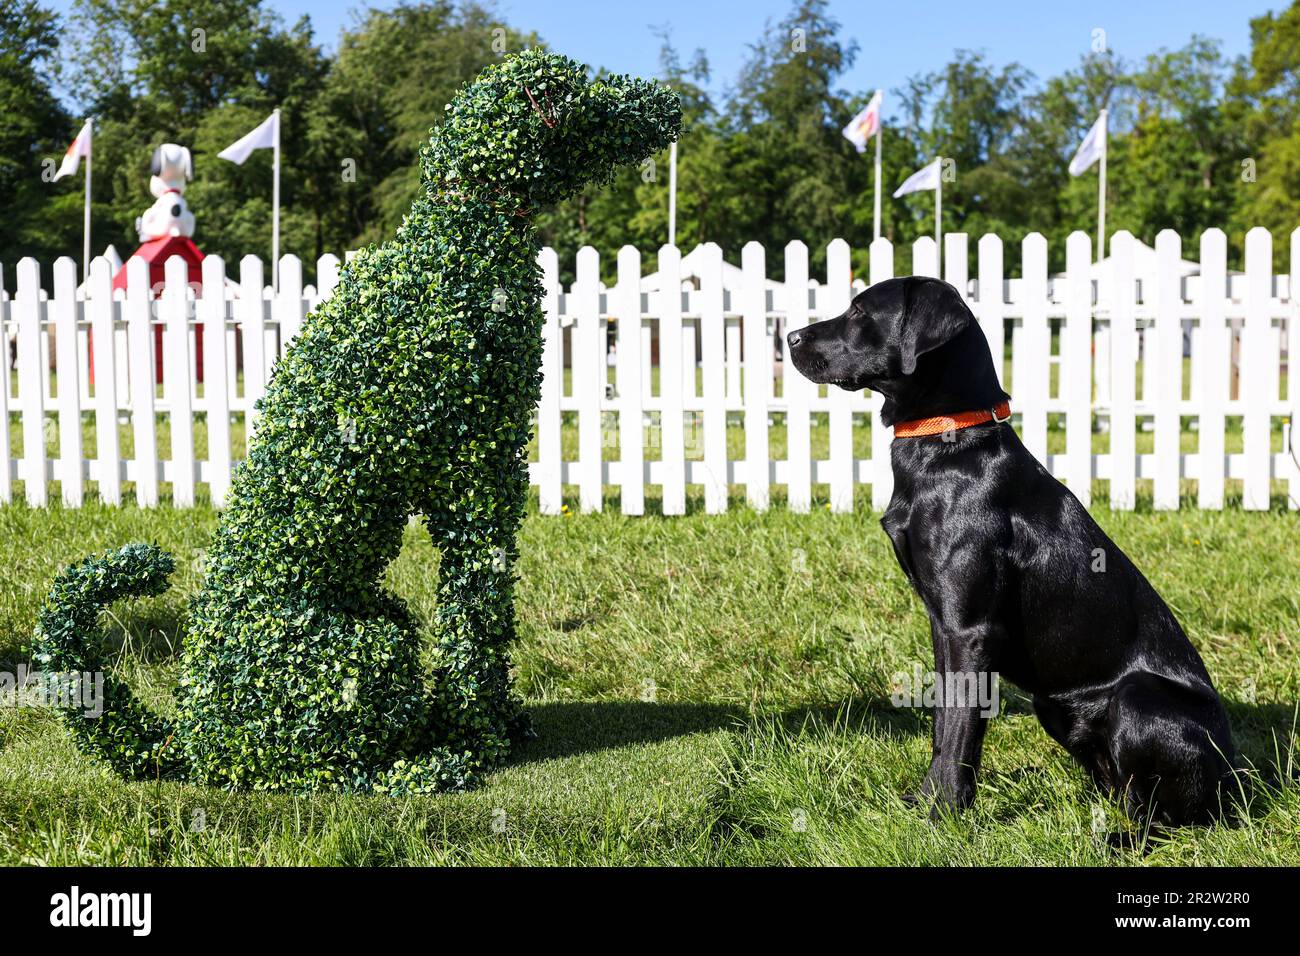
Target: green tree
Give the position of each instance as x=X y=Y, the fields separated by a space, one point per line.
x=1056 y=119
x=1269 y=87
x=393 y=74
x=970 y=113
x=200 y=73
x=42 y=218
x=799 y=173
x=1174 y=165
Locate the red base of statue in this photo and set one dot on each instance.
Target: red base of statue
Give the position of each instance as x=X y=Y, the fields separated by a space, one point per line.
x=156 y=252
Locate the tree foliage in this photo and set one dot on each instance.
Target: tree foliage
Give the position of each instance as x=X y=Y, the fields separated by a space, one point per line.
x=41 y=219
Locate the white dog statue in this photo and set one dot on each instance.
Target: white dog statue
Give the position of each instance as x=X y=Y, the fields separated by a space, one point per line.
x=172 y=168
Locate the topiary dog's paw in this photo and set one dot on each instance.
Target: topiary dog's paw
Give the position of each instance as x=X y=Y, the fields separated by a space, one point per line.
x=436 y=771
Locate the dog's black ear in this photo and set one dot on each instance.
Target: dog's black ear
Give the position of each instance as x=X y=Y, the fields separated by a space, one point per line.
x=155 y=162
x=933 y=313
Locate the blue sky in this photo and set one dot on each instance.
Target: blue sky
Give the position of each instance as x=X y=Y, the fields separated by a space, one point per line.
x=895 y=40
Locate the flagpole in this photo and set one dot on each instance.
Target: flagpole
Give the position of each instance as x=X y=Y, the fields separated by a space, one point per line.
x=1101 y=187
x=938 y=214
x=880 y=125
x=275 y=215
x=85 y=242
x=672 y=193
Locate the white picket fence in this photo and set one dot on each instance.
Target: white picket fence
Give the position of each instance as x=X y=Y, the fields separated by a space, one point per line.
x=717 y=334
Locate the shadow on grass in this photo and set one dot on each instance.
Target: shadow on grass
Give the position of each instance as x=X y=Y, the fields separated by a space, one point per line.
x=570 y=729
x=1265 y=735
x=875 y=716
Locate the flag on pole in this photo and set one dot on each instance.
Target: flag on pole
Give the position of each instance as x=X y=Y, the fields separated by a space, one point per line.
x=1091 y=149
x=927 y=177
x=71 y=162
x=866 y=124
x=263 y=137
x=72 y=158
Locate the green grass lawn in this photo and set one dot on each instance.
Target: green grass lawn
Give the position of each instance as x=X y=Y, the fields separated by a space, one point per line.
x=706 y=690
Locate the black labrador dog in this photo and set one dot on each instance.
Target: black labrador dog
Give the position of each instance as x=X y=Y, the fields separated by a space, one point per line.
x=1017 y=578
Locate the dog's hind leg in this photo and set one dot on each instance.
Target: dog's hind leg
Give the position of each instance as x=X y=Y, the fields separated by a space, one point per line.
x=1077 y=732
x=1171 y=750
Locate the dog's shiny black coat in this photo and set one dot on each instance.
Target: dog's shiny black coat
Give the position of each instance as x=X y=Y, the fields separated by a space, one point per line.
x=1016 y=576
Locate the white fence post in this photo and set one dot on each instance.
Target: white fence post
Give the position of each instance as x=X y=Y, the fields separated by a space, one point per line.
x=139 y=323
x=992 y=305
x=1291 y=451
x=252 y=314
x=1164 y=369
x=713 y=355
x=1253 y=396
x=327 y=276
x=211 y=311
x=631 y=439
x=1215 y=342
x=794 y=387
x=671 y=436
x=758 y=374
x=103 y=312
x=31 y=389
x=63 y=313
x=925 y=257
x=1076 y=350
x=288 y=301
x=1123 y=371
x=1036 y=339
x=838 y=295
x=178 y=378
x=589 y=377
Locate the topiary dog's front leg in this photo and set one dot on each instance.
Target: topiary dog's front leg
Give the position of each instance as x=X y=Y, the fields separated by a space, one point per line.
x=474 y=707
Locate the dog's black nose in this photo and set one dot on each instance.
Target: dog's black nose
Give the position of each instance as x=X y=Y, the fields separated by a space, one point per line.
x=794 y=338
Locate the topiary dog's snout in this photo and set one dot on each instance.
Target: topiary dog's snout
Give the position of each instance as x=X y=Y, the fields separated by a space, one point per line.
x=641 y=116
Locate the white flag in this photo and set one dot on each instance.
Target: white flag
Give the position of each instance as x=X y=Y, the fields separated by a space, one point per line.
x=927 y=177
x=263 y=137
x=866 y=124
x=72 y=158
x=1090 y=150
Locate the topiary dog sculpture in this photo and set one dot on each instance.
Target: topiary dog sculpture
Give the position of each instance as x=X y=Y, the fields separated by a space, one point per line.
x=410 y=391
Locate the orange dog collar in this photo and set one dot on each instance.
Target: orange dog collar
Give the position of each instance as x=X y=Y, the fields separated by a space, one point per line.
x=920 y=427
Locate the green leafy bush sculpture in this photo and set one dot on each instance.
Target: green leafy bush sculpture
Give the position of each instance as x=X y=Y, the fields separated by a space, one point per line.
x=410 y=391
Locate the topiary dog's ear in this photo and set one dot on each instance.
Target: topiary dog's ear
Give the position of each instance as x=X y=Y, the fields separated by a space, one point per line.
x=933 y=312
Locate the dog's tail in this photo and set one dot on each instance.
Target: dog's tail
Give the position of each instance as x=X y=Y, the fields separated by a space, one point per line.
x=116 y=726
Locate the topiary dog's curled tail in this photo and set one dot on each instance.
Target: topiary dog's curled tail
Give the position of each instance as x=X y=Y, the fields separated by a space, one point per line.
x=118 y=729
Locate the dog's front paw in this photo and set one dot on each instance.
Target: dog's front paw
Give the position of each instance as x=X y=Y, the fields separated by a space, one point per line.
x=941 y=795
